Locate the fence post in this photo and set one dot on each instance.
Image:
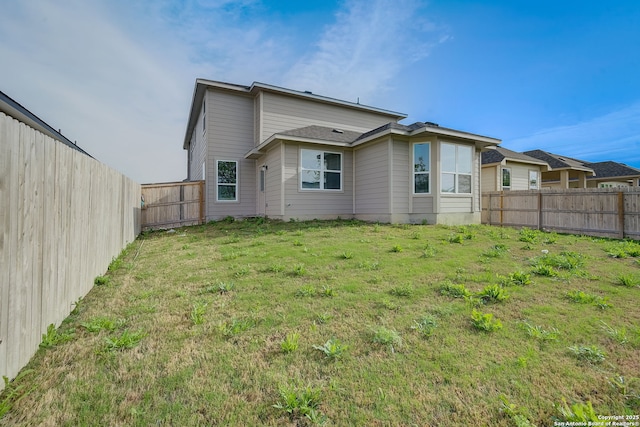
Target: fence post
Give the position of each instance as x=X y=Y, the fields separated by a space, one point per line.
x=202 y=201
x=539 y=210
x=501 y=207
x=621 y=214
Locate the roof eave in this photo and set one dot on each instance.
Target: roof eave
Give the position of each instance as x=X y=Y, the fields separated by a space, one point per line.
x=260 y=149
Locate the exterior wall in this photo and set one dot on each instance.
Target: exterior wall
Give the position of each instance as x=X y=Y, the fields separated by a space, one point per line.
x=229 y=136
x=311 y=204
x=274 y=182
x=520 y=175
x=197 y=150
x=372 y=180
x=281 y=113
x=490 y=177
x=401 y=178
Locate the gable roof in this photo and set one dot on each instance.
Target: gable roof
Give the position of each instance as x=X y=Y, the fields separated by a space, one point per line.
x=611 y=169
x=559 y=162
x=12 y=108
x=256 y=87
x=501 y=154
x=332 y=136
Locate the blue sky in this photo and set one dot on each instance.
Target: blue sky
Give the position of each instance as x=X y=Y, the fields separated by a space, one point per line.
x=117 y=76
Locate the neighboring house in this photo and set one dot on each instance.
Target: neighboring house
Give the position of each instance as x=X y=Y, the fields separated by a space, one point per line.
x=612 y=174
x=264 y=150
x=564 y=172
x=503 y=169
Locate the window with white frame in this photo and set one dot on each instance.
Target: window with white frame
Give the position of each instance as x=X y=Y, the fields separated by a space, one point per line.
x=421 y=168
x=533 y=180
x=457 y=164
x=320 y=170
x=506 y=179
x=227 y=182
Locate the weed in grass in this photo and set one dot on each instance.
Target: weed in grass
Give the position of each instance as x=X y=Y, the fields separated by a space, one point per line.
x=301 y=404
x=306 y=291
x=517 y=415
x=454 y=290
x=519 y=278
x=101 y=280
x=492 y=294
x=396 y=248
x=425 y=326
x=528 y=235
x=297 y=243
x=485 y=322
x=628 y=389
x=125 y=340
x=544 y=270
x=299 y=270
x=369 y=265
x=346 y=255
x=332 y=349
x=415 y=235
x=322 y=318
x=618 y=335
x=578 y=412
x=234 y=326
x=198 y=311
x=401 y=291
x=387 y=304
x=624 y=249
x=539 y=333
x=455 y=238
x=590 y=354
x=223 y=287
x=496 y=251
x=53 y=337
x=581 y=297
x=327 y=291
x=116 y=264
x=627 y=280
x=429 y=251
x=550 y=238
x=276 y=268
x=386 y=337
x=290 y=342
x=14 y=391
x=103 y=324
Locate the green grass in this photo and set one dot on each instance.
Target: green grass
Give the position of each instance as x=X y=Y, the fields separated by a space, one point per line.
x=230 y=323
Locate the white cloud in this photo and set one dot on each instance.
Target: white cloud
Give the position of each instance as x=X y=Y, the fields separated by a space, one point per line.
x=613 y=136
x=368 y=45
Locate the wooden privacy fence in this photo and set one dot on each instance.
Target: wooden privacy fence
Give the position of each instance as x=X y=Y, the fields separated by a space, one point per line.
x=604 y=212
x=63 y=217
x=172 y=204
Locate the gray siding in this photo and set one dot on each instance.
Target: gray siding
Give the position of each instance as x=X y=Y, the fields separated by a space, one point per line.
x=273 y=181
x=309 y=204
x=280 y=113
x=490 y=178
x=372 y=180
x=455 y=203
x=197 y=150
x=402 y=188
x=230 y=136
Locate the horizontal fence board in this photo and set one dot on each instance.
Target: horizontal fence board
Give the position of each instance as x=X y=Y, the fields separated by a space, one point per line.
x=610 y=212
x=174 y=204
x=64 y=216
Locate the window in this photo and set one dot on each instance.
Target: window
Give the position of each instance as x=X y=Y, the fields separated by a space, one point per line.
x=457 y=163
x=421 y=167
x=533 y=180
x=320 y=170
x=262 y=179
x=506 y=179
x=227 y=184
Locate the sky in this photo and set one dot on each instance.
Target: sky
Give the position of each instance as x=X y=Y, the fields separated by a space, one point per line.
x=117 y=76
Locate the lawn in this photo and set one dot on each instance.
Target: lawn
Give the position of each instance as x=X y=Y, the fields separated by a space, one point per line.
x=344 y=323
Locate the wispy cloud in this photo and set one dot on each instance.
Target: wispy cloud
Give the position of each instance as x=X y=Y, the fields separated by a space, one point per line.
x=368 y=45
x=613 y=136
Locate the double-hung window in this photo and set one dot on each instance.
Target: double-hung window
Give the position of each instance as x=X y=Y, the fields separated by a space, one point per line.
x=506 y=179
x=320 y=170
x=457 y=165
x=227 y=182
x=533 y=180
x=421 y=168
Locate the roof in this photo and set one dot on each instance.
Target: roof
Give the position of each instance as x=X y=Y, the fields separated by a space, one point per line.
x=611 y=169
x=559 y=162
x=12 y=108
x=331 y=136
x=501 y=154
x=257 y=87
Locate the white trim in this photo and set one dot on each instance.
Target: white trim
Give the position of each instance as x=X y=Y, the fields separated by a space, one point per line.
x=456 y=174
x=237 y=183
x=413 y=169
x=502 y=186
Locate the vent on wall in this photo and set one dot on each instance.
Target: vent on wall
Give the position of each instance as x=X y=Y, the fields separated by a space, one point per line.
x=337 y=131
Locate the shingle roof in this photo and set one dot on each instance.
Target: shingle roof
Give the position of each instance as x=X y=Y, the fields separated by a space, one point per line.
x=611 y=169
x=556 y=161
x=500 y=153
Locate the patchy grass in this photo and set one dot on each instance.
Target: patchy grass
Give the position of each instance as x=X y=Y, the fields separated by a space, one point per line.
x=343 y=323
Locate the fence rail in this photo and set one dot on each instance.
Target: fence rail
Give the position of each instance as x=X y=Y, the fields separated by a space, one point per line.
x=172 y=204
x=613 y=213
x=63 y=217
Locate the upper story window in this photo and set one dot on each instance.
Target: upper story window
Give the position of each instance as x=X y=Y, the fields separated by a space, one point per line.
x=421 y=168
x=227 y=180
x=320 y=170
x=506 y=179
x=457 y=165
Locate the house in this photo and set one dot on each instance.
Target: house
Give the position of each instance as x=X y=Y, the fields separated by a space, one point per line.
x=503 y=169
x=612 y=174
x=269 y=151
x=564 y=172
